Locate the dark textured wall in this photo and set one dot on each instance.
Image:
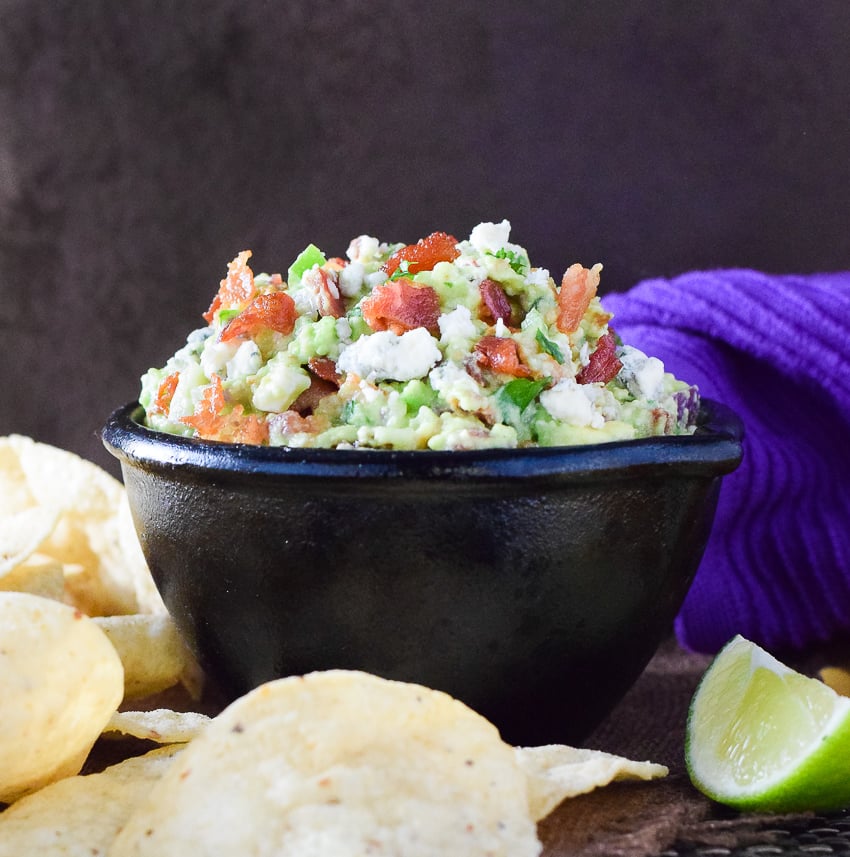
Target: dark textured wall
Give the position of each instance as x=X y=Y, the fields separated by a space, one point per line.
x=143 y=144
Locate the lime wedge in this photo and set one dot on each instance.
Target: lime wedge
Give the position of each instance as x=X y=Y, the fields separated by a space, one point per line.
x=763 y=737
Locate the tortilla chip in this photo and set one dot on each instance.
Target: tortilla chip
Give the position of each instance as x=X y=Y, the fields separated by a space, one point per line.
x=81 y=815
x=22 y=533
x=161 y=725
x=88 y=533
x=556 y=772
x=151 y=649
x=340 y=763
x=38 y=575
x=62 y=680
x=14 y=490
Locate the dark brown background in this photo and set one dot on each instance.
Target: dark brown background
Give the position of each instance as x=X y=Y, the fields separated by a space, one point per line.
x=143 y=144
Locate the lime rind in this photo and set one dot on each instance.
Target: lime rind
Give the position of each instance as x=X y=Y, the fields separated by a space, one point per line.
x=763 y=737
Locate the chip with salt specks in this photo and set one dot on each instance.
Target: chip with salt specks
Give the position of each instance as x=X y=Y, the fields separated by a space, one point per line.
x=151 y=649
x=557 y=772
x=38 y=575
x=340 y=763
x=80 y=816
x=61 y=681
x=15 y=494
x=21 y=534
x=161 y=725
x=88 y=532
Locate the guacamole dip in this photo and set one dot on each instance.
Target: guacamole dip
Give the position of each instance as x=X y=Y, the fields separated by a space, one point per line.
x=441 y=345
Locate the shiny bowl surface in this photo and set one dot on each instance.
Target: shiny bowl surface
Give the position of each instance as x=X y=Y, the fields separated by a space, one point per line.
x=532 y=584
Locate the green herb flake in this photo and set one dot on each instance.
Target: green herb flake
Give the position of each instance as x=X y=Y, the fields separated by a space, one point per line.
x=517 y=261
x=226 y=315
x=548 y=346
x=521 y=392
x=402 y=271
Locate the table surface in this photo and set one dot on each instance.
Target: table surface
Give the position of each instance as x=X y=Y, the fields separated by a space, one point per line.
x=661 y=818
x=668 y=817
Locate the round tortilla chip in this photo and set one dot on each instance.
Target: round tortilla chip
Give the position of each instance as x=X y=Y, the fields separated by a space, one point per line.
x=151 y=649
x=62 y=680
x=80 y=816
x=340 y=763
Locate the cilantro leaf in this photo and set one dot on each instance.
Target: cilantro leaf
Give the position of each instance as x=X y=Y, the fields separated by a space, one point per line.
x=402 y=271
x=521 y=392
x=548 y=346
x=517 y=261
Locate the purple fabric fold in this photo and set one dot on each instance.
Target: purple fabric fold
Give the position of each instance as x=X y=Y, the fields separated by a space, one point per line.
x=775 y=349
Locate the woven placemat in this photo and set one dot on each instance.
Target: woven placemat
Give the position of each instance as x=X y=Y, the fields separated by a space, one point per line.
x=819 y=834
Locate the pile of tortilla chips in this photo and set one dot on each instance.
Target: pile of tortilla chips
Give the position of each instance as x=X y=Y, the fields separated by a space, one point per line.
x=337 y=762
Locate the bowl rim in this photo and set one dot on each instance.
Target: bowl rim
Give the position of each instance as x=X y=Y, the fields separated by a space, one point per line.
x=714 y=449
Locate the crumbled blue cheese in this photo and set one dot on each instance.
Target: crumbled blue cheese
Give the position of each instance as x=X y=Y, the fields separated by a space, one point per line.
x=644 y=376
x=459 y=389
x=246 y=361
x=216 y=355
x=364 y=249
x=568 y=401
x=457 y=326
x=351 y=279
x=385 y=355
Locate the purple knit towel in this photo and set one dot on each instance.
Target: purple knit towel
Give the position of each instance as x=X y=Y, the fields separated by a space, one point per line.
x=776 y=349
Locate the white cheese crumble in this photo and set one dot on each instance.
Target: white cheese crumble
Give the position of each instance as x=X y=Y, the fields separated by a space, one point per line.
x=569 y=402
x=537 y=277
x=644 y=376
x=247 y=361
x=363 y=249
x=459 y=389
x=456 y=325
x=351 y=279
x=501 y=329
x=384 y=355
x=489 y=238
x=216 y=355
x=343 y=329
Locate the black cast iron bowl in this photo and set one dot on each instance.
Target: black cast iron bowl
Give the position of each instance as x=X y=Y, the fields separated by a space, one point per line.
x=532 y=584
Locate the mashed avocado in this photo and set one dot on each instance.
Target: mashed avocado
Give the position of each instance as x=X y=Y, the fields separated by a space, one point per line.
x=442 y=344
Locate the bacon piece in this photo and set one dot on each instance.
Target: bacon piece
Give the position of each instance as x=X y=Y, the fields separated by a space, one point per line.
x=424 y=254
x=274 y=311
x=400 y=306
x=207 y=417
x=236 y=289
x=308 y=400
x=291 y=422
x=165 y=393
x=604 y=363
x=494 y=303
x=500 y=354
x=324 y=286
x=578 y=288
x=235 y=427
x=245 y=429
x=324 y=368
